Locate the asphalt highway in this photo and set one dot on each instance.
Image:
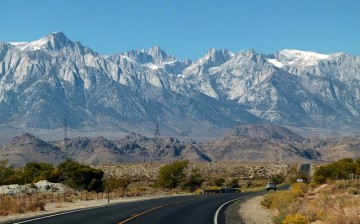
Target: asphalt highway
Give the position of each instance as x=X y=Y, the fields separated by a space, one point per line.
x=305 y=168
x=199 y=209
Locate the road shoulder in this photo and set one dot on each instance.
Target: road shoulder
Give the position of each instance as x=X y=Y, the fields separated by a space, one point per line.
x=252 y=212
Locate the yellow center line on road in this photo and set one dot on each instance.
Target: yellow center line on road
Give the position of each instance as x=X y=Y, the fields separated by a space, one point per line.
x=152 y=209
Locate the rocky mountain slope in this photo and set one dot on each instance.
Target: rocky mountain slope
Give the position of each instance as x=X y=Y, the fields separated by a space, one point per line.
x=247 y=143
x=44 y=81
x=27 y=148
x=260 y=143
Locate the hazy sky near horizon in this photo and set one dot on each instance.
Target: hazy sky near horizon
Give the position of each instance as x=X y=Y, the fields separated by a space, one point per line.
x=188 y=28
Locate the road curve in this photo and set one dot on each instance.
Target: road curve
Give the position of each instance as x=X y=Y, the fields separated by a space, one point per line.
x=200 y=209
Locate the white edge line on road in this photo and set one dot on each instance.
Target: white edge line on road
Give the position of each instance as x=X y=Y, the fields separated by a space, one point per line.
x=218 y=210
x=81 y=209
x=72 y=211
x=57 y=214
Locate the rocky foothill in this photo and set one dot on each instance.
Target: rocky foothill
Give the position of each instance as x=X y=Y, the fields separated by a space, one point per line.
x=246 y=144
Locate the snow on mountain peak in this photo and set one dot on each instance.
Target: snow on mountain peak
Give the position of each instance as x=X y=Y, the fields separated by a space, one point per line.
x=17 y=43
x=52 y=41
x=305 y=55
x=275 y=62
x=299 y=58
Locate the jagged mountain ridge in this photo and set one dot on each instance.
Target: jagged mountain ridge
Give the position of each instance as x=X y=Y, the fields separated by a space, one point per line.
x=133 y=148
x=44 y=81
x=246 y=143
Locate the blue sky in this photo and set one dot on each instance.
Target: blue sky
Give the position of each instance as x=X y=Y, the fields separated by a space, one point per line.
x=189 y=28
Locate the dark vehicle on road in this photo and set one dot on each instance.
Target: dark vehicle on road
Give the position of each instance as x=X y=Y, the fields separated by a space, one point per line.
x=271 y=186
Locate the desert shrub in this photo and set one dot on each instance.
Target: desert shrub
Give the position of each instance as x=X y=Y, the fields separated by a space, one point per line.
x=219 y=182
x=193 y=181
x=278 y=200
x=340 y=169
x=340 y=185
x=279 y=218
x=282 y=199
x=233 y=183
x=353 y=190
x=268 y=200
x=114 y=183
x=298 y=189
x=295 y=219
x=285 y=202
x=171 y=175
x=212 y=188
x=312 y=185
x=278 y=179
x=36 y=206
x=249 y=183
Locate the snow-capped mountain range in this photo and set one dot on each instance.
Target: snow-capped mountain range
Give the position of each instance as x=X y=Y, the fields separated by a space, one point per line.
x=44 y=81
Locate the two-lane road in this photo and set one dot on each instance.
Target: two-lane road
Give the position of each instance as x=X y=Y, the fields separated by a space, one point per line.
x=200 y=209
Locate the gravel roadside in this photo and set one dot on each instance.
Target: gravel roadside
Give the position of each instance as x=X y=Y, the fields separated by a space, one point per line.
x=252 y=212
x=248 y=211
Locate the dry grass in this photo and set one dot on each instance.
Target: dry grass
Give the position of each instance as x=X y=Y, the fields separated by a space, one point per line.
x=8 y=207
x=18 y=204
x=344 y=211
x=36 y=206
x=337 y=202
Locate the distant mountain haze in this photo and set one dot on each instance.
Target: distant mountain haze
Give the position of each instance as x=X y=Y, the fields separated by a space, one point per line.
x=45 y=81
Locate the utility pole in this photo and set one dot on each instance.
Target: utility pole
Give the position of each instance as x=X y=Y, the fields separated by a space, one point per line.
x=65 y=138
x=157 y=137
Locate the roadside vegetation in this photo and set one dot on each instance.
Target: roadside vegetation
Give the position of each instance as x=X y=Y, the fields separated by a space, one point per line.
x=91 y=183
x=333 y=196
x=71 y=173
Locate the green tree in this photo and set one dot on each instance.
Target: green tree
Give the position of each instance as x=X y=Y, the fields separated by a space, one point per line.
x=193 y=181
x=34 y=172
x=8 y=174
x=171 y=175
x=79 y=176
